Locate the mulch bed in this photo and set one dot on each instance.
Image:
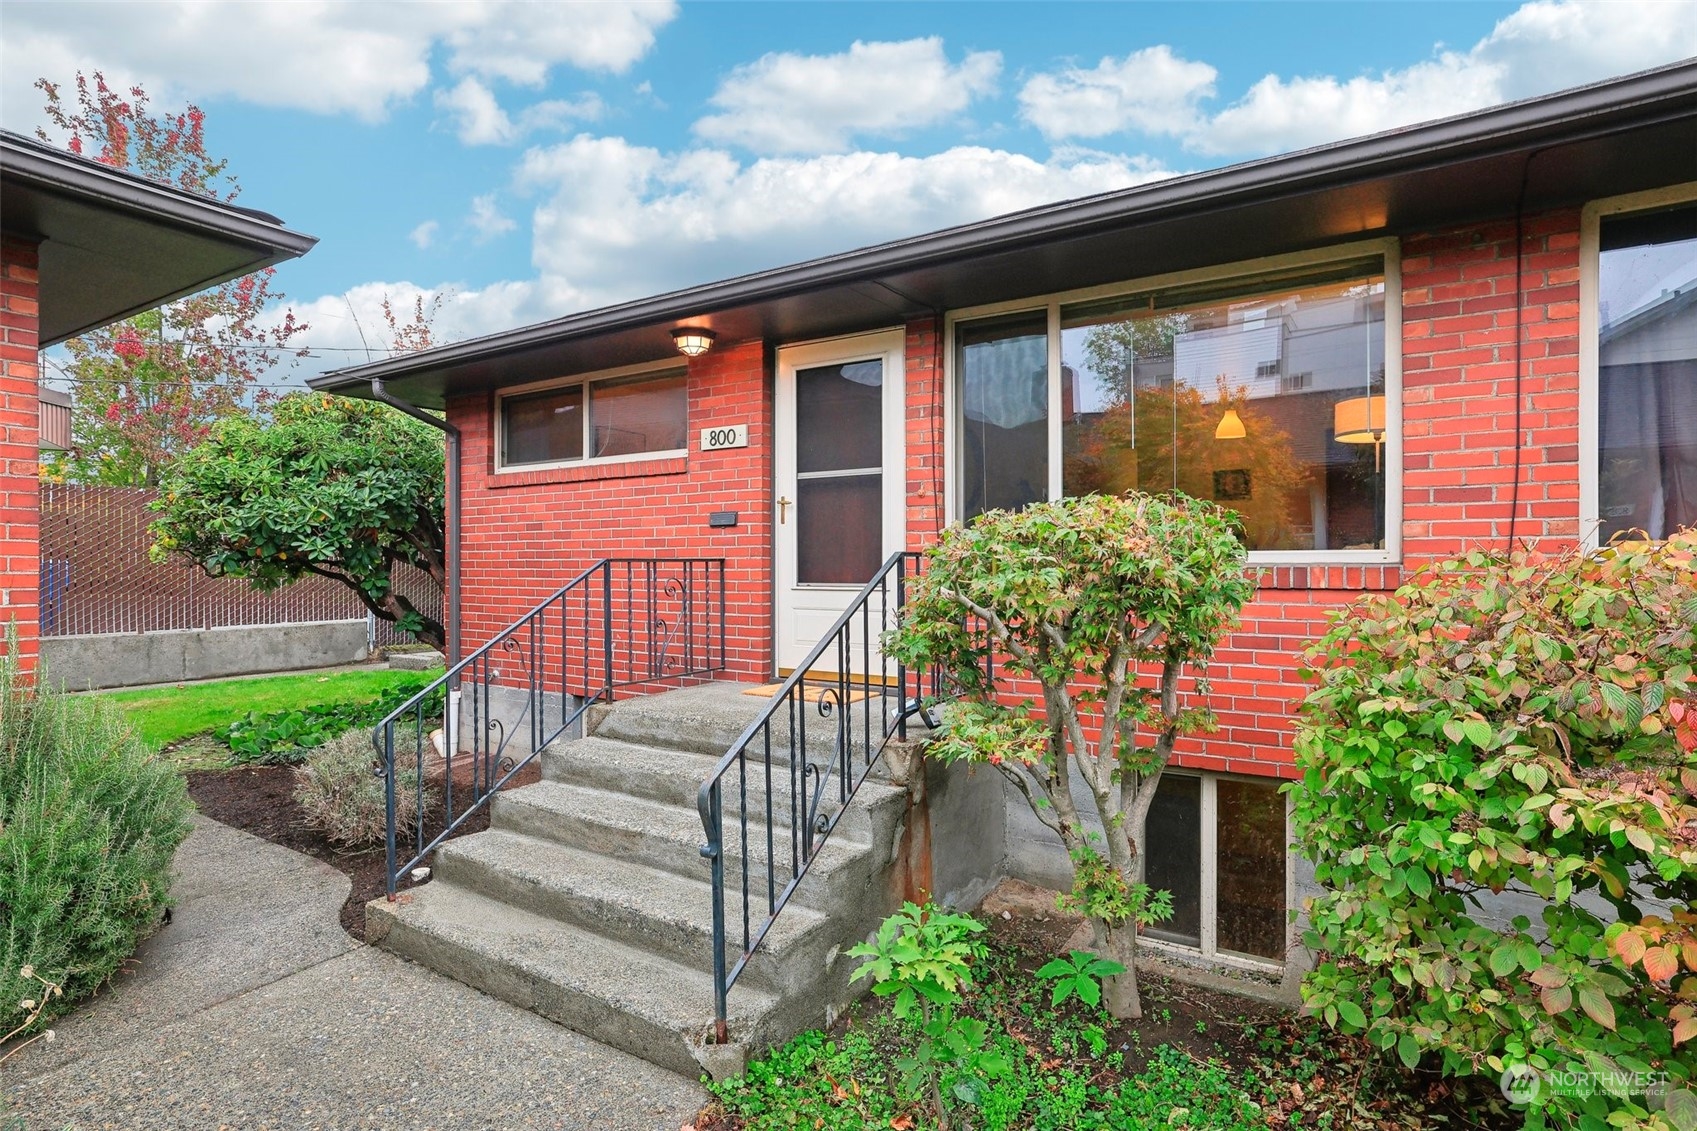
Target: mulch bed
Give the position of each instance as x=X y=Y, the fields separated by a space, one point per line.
x=260 y=800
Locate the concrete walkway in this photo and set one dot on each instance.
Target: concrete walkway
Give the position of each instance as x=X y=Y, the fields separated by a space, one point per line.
x=253 y=1010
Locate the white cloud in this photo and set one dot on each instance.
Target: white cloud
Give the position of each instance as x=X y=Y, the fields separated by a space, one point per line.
x=1541 y=47
x=616 y=221
x=788 y=103
x=331 y=57
x=348 y=329
x=424 y=234
x=479 y=120
x=1152 y=90
x=487 y=220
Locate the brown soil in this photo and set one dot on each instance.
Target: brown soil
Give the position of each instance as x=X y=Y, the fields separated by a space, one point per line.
x=260 y=800
x=1319 y=1078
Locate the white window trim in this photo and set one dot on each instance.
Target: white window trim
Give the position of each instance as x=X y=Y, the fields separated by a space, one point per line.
x=1390 y=249
x=1209 y=899
x=1590 y=283
x=502 y=467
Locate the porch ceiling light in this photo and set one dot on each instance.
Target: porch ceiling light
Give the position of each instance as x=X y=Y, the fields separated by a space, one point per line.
x=1230 y=427
x=693 y=341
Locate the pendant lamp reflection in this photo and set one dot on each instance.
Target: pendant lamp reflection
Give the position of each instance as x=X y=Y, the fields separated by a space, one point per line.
x=1230 y=427
x=1361 y=420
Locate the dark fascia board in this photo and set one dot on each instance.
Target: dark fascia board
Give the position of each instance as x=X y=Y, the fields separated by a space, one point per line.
x=1633 y=101
x=32 y=166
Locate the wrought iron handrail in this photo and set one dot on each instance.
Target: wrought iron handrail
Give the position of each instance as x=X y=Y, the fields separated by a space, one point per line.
x=777 y=742
x=621 y=623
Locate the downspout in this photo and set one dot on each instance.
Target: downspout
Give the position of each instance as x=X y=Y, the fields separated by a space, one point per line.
x=452 y=535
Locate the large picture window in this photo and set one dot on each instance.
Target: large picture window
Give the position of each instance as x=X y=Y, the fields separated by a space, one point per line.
x=1647 y=372
x=612 y=418
x=1267 y=393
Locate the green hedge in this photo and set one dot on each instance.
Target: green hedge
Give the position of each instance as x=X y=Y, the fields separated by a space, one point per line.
x=89 y=821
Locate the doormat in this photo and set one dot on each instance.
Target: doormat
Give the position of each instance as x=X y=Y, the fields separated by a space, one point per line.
x=810 y=692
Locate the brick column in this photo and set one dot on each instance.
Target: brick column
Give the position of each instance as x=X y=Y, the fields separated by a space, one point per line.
x=1459 y=386
x=20 y=500
x=924 y=427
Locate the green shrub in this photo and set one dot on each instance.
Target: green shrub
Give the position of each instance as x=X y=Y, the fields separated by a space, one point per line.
x=89 y=820
x=342 y=795
x=284 y=738
x=1112 y=607
x=1527 y=724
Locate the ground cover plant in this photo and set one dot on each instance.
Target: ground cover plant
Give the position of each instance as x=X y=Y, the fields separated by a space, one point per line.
x=89 y=820
x=1198 y=1060
x=165 y=715
x=1524 y=724
x=285 y=737
x=1106 y=603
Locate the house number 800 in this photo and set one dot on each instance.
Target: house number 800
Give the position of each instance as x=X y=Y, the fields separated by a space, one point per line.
x=729 y=436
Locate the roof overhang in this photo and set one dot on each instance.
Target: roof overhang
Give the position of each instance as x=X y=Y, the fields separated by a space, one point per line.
x=113 y=244
x=1613 y=137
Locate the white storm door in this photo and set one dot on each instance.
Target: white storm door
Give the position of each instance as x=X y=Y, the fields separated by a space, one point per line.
x=840 y=482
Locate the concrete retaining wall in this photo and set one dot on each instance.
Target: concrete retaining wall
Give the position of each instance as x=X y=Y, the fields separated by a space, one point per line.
x=126 y=659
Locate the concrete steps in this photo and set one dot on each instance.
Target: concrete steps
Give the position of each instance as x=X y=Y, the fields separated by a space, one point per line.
x=587 y=900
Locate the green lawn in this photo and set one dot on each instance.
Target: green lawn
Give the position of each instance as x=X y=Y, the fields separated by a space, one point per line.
x=168 y=714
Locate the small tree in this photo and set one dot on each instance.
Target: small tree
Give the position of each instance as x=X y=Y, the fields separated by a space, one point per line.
x=1106 y=603
x=1522 y=724
x=328 y=486
x=151 y=386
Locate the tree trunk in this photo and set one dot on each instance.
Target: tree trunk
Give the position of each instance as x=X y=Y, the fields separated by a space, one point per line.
x=1119 y=993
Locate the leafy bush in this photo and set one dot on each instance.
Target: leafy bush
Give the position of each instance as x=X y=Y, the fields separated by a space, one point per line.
x=1108 y=603
x=89 y=820
x=321 y=487
x=342 y=795
x=1525 y=724
x=284 y=737
x=922 y=957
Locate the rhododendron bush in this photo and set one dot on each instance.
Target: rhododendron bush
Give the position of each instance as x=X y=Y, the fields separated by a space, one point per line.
x=1522 y=725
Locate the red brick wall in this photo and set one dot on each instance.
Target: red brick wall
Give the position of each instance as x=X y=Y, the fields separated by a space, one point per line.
x=1459 y=332
x=19 y=491
x=1458 y=360
x=926 y=470
x=527 y=533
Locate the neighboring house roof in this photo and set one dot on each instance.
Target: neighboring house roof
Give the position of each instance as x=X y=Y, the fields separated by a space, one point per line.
x=1612 y=137
x=114 y=244
x=53 y=409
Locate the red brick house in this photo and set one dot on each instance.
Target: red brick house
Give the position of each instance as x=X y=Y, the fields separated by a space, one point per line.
x=83 y=245
x=1381 y=352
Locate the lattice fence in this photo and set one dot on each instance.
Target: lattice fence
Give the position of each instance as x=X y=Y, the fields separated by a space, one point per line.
x=96 y=577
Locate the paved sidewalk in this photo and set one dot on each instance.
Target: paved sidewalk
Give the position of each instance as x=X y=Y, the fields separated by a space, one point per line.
x=253 y=1010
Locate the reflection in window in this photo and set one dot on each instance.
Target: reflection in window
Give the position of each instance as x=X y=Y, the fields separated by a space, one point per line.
x=642 y=415
x=622 y=417
x=1267 y=396
x=1003 y=365
x=1647 y=373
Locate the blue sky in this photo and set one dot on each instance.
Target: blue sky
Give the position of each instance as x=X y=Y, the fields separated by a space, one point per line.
x=528 y=160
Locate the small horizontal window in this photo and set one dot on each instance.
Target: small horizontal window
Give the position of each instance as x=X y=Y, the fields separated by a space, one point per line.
x=611 y=419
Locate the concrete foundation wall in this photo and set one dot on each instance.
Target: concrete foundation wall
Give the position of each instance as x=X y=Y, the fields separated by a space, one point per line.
x=126 y=659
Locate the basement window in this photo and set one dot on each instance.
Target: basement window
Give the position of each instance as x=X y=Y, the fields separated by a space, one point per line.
x=1218 y=844
x=611 y=418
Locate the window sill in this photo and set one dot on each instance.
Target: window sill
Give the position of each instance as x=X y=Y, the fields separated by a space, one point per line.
x=589 y=472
